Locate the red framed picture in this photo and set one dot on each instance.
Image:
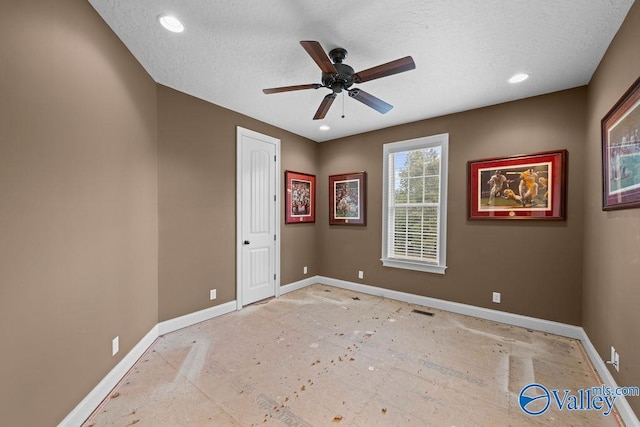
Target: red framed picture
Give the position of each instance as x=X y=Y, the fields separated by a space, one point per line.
x=621 y=152
x=530 y=186
x=347 y=199
x=300 y=199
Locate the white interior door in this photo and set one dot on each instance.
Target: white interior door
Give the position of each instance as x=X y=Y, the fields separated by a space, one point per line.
x=258 y=217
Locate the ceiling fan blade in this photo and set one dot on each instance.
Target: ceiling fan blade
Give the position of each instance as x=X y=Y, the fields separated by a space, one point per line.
x=315 y=51
x=394 y=67
x=324 y=106
x=370 y=100
x=291 y=88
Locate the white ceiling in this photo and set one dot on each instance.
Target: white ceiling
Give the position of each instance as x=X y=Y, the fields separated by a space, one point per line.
x=464 y=50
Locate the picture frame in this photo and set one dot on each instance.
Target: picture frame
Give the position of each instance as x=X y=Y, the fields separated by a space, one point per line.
x=347 y=199
x=300 y=197
x=621 y=152
x=531 y=186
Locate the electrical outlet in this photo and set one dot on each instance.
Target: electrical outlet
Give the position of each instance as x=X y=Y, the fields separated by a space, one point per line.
x=115 y=346
x=360 y=274
x=304 y=270
x=615 y=359
x=496 y=297
x=212 y=294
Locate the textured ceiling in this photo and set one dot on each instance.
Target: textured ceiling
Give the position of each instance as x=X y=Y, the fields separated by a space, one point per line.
x=464 y=50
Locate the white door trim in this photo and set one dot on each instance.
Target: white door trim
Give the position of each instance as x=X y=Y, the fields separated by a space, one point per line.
x=240 y=132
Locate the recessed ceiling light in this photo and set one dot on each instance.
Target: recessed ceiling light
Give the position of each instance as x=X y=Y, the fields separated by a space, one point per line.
x=519 y=78
x=171 y=23
x=324 y=127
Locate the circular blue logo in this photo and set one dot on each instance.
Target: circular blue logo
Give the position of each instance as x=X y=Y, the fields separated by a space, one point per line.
x=534 y=399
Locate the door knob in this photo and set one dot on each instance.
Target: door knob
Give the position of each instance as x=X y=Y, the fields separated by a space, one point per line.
x=246 y=242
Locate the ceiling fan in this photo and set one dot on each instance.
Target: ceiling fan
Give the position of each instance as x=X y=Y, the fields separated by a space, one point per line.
x=338 y=77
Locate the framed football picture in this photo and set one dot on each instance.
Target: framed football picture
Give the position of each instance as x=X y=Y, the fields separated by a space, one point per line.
x=347 y=199
x=300 y=197
x=621 y=152
x=531 y=186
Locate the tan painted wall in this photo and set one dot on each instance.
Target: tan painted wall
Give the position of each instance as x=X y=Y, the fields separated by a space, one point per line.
x=537 y=266
x=197 y=208
x=611 y=305
x=78 y=206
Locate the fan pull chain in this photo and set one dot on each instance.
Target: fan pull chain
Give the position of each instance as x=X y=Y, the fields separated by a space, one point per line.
x=343 y=104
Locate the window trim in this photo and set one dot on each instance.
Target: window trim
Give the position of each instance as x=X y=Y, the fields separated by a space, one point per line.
x=441 y=140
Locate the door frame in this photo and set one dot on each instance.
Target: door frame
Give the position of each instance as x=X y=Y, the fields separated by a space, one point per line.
x=240 y=132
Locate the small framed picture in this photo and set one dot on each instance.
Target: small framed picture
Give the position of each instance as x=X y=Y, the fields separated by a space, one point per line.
x=621 y=152
x=300 y=197
x=531 y=186
x=347 y=199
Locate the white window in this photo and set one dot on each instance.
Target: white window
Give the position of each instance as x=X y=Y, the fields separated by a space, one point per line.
x=414 y=203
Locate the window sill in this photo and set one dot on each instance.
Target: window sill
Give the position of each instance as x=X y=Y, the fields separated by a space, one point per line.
x=417 y=266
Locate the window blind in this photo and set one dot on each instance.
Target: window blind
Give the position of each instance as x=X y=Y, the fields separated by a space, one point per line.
x=414 y=196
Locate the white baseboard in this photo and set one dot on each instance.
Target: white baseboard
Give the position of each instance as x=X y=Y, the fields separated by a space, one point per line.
x=622 y=405
x=84 y=409
x=455 y=307
x=299 y=284
x=172 y=325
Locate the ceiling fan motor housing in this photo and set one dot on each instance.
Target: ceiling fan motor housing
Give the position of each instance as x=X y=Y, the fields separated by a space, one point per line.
x=342 y=80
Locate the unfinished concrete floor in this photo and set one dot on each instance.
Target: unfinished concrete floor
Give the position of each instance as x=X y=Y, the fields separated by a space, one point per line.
x=326 y=356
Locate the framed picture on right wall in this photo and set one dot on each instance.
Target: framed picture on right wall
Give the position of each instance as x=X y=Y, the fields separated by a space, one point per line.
x=621 y=152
